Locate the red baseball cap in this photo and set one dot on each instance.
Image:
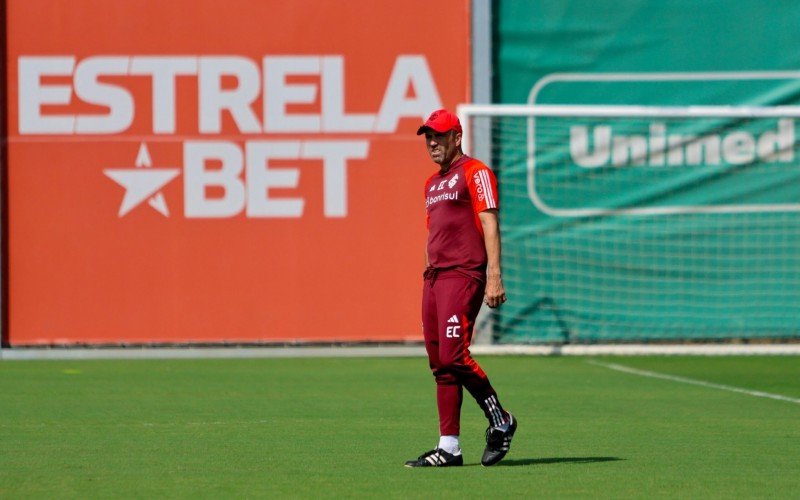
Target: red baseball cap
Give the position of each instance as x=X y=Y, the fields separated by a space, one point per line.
x=441 y=121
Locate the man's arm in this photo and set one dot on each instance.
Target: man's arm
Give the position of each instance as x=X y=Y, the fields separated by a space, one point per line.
x=495 y=293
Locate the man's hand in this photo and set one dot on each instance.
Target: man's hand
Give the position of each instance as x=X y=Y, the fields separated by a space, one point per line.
x=495 y=292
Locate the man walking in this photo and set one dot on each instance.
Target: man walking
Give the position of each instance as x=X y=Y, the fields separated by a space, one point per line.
x=462 y=271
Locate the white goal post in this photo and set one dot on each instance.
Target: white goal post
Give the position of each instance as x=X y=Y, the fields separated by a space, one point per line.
x=628 y=224
x=467 y=112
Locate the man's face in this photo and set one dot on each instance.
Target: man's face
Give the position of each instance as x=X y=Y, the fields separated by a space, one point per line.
x=442 y=146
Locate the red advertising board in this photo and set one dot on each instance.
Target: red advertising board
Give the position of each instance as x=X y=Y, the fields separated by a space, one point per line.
x=206 y=171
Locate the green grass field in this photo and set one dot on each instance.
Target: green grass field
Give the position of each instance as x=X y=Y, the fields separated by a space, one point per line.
x=344 y=427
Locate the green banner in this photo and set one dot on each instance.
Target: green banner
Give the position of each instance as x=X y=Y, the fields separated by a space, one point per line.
x=648 y=228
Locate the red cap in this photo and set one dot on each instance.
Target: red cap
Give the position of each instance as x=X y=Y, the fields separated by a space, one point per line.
x=441 y=121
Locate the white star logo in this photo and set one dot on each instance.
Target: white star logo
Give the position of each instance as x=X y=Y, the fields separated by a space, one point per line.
x=143 y=185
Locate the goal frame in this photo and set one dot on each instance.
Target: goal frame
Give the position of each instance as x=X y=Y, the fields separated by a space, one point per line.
x=482 y=146
x=532 y=111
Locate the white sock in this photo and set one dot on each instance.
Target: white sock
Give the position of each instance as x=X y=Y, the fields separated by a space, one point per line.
x=450 y=445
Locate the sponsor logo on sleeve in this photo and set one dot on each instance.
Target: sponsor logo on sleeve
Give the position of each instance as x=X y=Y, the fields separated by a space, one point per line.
x=478 y=186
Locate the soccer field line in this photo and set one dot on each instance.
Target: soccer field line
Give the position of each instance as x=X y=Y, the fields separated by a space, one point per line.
x=377 y=350
x=25 y=426
x=50 y=425
x=685 y=380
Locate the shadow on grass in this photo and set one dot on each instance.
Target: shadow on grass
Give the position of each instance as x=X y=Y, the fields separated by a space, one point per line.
x=557 y=460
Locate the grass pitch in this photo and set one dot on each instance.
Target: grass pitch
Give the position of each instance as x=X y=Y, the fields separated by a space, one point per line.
x=344 y=427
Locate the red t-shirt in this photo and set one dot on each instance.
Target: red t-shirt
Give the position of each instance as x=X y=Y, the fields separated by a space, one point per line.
x=453 y=202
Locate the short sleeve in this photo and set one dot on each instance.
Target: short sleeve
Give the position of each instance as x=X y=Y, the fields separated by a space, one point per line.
x=482 y=185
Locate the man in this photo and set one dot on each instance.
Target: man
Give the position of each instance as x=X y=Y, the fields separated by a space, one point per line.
x=462 y=270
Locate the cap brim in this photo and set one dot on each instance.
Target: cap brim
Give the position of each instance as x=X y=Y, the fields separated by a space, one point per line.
x=423 y=128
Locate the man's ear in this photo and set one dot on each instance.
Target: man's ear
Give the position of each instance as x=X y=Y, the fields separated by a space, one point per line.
x=458 y=139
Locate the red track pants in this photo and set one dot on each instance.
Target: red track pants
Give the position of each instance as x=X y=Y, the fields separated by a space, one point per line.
x=450 y=303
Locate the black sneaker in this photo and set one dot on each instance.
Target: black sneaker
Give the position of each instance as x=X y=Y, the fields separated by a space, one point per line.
x=436 y=458
x=498 y=441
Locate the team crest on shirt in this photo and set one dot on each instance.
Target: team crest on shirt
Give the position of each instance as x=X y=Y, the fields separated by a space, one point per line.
x=452 y=181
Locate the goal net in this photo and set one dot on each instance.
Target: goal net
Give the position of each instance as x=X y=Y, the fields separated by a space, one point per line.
x=631 y=224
